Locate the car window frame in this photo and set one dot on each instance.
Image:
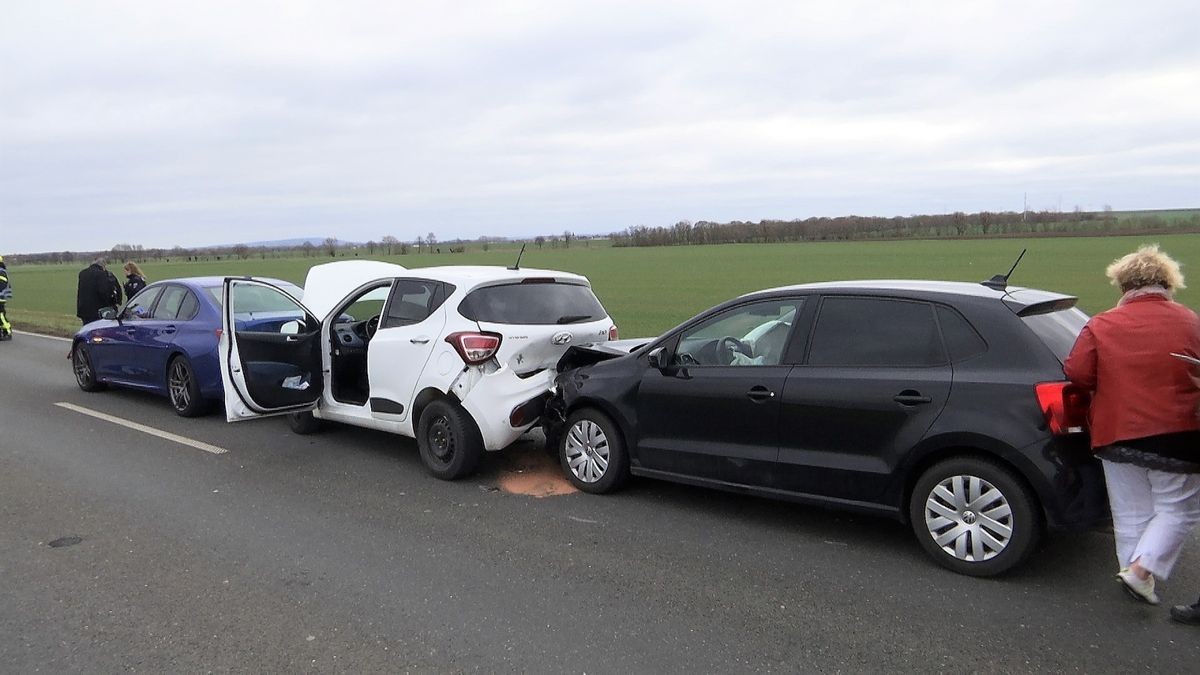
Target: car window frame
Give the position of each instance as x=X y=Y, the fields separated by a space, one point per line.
x=153 y=288
x=441 y=292
x=803 y=302
x=166 y=289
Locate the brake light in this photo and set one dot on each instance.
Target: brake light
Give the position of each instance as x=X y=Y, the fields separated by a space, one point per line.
x=1065 y=407
x=528 y=412
x=612 y=333
x=474 y=348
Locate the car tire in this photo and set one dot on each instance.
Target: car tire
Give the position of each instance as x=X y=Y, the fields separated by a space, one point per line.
x=974 y=516
x=304 y=423
x=592 y=452
x=183 y=390
x=85 y=374
x=449 y=441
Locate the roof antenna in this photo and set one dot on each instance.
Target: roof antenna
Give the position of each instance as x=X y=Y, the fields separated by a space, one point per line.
x=1000 y=281
x=517 y=265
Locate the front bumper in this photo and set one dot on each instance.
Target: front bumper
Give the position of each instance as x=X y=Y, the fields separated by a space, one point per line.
x=491 y=398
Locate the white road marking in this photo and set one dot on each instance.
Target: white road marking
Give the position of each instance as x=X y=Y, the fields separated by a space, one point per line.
x=48 y=337
x=199 y=445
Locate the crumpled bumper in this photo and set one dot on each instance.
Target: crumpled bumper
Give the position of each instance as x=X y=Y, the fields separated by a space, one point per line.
x=492 y=398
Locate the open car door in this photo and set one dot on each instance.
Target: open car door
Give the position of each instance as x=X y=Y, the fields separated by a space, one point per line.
x=270 y=351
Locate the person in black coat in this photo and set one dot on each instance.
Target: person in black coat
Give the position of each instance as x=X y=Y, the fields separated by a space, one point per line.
x=98 y=288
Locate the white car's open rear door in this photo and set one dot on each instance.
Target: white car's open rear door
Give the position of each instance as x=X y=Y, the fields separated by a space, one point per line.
x=270 y=351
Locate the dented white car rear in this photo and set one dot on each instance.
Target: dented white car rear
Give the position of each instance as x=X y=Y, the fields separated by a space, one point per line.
x=461 y=358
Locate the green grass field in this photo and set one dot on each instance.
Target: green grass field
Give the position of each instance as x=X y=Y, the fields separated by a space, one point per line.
x=648 y=290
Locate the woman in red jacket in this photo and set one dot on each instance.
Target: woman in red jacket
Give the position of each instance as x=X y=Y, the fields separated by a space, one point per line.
x=1143 y=418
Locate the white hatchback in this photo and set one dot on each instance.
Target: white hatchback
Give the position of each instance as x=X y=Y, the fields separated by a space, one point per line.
x=461 y=358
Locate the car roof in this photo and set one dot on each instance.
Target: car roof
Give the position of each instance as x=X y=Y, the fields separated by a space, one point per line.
x=476 y=274
x=210 y=282
x=1019 y=298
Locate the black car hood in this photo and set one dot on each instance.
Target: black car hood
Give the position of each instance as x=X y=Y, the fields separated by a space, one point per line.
x=585 y=355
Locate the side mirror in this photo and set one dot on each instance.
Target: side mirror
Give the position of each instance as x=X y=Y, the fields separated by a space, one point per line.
x=658 y=358
x=290 y=328
x=108 y=313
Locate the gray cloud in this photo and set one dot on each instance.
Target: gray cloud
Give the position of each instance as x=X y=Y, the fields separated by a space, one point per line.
x=163 y=125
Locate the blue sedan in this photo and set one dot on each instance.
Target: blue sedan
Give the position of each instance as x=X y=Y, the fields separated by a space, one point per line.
x=165 y=340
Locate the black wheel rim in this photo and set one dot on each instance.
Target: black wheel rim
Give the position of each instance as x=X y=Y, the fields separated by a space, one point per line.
x=180 y=385
x=441 y=439
x=83 y=369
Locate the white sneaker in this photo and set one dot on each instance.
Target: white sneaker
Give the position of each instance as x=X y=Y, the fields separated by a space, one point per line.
x=1140 y=589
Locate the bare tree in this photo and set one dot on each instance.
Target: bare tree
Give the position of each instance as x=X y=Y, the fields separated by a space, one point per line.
x=567 y=237
x=390 y=242
x=431 y=240
x=308 y=249
x=540 y=241
x=331 y=246
x=420 y=243
x=371 y=246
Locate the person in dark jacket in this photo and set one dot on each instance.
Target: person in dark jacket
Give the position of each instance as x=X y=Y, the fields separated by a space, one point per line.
x=1143 y=417
x=98 y=288
x=134 y=279
x=5 y=295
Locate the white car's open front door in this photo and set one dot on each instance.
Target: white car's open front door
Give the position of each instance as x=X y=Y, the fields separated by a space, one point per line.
x=270 y=351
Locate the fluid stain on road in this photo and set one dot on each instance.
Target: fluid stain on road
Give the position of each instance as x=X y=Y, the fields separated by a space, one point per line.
x=530 y=471
x=65 y=541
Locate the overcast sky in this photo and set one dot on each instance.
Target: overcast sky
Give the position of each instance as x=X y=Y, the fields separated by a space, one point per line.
x=163 y=123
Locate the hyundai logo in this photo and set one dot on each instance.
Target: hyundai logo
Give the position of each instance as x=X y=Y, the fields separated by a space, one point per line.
x=561 y=338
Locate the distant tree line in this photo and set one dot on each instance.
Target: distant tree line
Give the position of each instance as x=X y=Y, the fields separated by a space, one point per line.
x=950 y=225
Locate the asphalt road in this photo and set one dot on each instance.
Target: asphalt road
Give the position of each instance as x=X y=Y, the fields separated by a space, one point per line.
x=337 y=552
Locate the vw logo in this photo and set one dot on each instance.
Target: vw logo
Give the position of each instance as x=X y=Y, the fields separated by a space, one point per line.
x=561 y=338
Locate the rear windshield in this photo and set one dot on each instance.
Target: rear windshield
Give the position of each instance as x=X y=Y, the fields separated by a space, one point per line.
x=533 y=304
x=1058 y=329
x=256 y=299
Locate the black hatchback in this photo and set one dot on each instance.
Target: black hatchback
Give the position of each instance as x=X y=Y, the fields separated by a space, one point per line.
x=936 y=403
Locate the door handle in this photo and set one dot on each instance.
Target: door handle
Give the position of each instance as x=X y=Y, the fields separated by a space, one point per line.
x=291 y=338
x=130 y=331
x=759 y=394
x=911 y=397
x=169 y=330
x=419 y=340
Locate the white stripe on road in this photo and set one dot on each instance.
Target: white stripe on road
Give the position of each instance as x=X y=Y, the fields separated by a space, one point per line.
x=199 y=445
x=48 y=337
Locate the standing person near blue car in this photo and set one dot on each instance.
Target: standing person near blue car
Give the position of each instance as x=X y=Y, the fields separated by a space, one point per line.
x=1144 y=424
x=5 y=295
x=98 y=288
x=134 y=279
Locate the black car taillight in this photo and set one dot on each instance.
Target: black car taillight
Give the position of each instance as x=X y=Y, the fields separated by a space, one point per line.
x=1065 y=407
x=528 y=412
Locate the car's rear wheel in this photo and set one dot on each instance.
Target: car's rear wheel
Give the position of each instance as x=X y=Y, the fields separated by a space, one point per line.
x=183 y=389
x=974 y=516
x=592 y=452
x=449 y=441
x=85 y=375
x=303 y=423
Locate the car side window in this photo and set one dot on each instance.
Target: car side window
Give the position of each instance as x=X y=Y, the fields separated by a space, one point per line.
x=962 y=340
x=168 y=306
x=857 y=331
x=750 y=335
x=142 y=303
x=189 y=307
x=412 y=301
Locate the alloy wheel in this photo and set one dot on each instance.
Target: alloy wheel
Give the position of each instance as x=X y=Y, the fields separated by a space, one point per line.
x=83 y=369
x=969 y=518
x=180 y=385
x=587 y=451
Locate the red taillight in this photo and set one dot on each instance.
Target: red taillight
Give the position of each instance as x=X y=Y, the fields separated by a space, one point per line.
x=474 y=348
x=1065 y=407
x=612 y=333
x=527 y=413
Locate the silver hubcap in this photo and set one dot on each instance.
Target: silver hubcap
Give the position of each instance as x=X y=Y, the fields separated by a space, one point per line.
x=180 y=385
x=587 y=451
x=969 y=518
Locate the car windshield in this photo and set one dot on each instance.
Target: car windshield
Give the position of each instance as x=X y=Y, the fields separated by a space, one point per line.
x=542 y=303
x=256 y=299
x=1058 y=330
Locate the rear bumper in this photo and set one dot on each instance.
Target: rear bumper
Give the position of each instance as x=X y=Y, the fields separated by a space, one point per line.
x=1069 y=481
x=492 y=398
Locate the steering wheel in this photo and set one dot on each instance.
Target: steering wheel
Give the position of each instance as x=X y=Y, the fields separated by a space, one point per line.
x=726 y=347
x=372 y=326
x=686 y=359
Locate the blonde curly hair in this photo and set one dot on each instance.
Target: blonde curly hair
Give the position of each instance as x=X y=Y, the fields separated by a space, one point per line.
x=1146 y=266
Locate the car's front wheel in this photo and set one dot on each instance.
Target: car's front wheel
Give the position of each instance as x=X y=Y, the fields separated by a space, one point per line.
x=592 y=452
x=974 y=516
x=303 y=423
x=85 y=374
x=449 y=441
x=183 y=389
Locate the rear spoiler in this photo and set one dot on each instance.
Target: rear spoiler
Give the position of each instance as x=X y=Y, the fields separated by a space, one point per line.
x=1043 y=307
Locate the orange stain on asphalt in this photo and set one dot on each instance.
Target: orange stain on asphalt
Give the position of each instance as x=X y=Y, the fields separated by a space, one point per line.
x=533 y=473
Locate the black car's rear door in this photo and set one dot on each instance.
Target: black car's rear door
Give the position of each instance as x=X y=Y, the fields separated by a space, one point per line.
x=714 y=413
x=875 y=379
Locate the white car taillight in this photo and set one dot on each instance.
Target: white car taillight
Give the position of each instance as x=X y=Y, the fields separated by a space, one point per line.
x=475 y=348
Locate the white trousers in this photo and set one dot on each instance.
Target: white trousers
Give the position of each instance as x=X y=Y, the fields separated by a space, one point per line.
x=1153 y=513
